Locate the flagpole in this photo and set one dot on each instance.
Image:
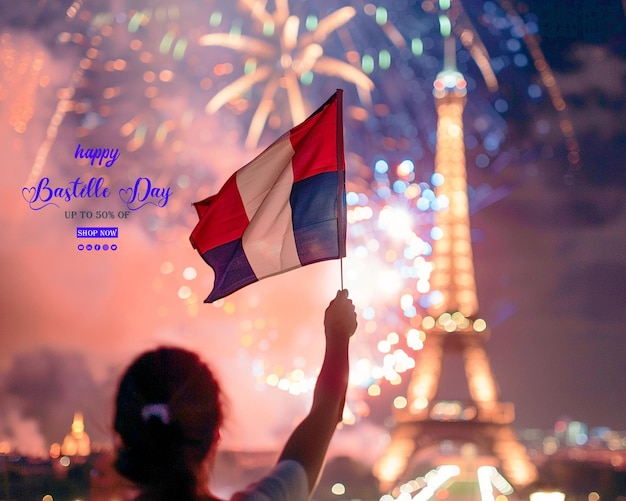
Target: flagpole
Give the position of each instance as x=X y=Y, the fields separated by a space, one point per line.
x=341 y=271
x=341 y=188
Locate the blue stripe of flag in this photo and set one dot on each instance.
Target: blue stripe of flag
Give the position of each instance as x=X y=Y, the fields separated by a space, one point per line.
x=231 y=267
x=314 y=214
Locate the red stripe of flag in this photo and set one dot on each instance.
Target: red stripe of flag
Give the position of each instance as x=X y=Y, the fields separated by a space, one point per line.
x=314 y=153
x=222 y=217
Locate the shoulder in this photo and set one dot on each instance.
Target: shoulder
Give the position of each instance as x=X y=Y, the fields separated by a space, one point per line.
x=286 y=482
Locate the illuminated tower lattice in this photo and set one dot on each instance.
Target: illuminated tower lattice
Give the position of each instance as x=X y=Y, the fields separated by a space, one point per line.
x=477 y=433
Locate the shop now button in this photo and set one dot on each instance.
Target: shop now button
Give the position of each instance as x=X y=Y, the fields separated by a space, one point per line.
x=97 y=232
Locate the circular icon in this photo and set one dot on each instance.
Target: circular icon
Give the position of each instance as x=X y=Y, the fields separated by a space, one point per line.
x=105 y=247
x=89 y=247
x=81 y=247
x=113 y=247
x=96 y=247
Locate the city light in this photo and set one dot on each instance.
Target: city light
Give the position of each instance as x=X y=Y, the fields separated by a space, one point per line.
x=547 y=496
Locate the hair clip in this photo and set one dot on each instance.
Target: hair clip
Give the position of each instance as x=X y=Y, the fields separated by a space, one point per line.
x=160 y=411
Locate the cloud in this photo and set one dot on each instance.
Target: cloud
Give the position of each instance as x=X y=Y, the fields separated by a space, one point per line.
x=45 y=389
x=22 y=434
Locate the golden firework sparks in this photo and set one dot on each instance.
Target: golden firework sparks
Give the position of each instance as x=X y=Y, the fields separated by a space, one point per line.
x=282 y=61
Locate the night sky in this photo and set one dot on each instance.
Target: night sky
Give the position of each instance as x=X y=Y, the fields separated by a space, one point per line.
x=548 y=211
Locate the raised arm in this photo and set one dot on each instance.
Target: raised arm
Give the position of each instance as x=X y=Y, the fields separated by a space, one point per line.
x=309 y=441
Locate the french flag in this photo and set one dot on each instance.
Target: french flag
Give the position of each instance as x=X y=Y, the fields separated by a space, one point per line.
x=283 y=210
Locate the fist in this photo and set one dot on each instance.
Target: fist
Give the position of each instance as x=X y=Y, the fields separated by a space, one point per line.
x=340 y=317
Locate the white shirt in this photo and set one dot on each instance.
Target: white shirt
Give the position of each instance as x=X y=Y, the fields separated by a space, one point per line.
x=286 y=482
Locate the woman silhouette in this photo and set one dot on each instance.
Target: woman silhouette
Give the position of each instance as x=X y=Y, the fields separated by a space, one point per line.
x=169 y=413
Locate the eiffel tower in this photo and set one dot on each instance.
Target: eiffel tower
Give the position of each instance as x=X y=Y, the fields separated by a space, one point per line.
x=478 y=431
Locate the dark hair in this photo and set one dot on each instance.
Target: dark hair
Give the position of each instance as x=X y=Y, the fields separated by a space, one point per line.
x=168 y=415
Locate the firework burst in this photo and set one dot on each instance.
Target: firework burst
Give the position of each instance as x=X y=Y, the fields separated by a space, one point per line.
x=283 y=58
